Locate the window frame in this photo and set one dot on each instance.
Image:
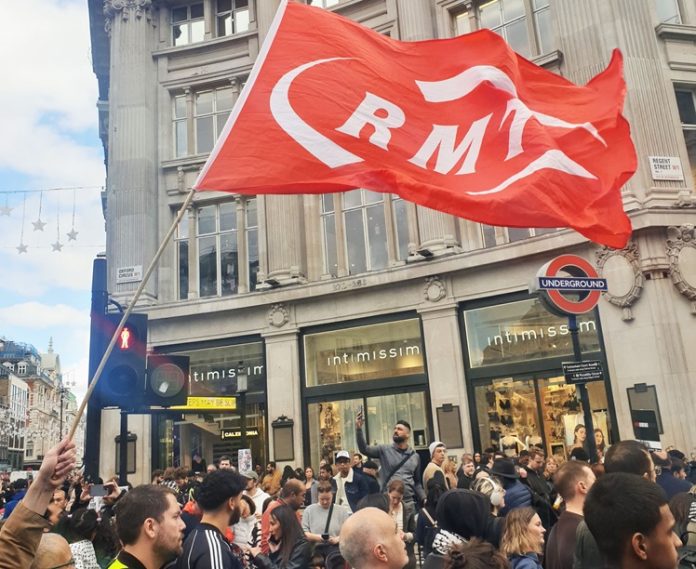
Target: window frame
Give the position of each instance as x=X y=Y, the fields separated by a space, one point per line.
x=187 y=23
x=325 y=4
x=246 y=283
x=189 y=95
x=391 y=238
x=452 y=9
x=232 y=12
x=679 y=13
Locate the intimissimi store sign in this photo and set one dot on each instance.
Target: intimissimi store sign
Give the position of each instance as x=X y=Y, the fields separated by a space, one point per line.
x=521 y=331
x=214 y=373
x=364 y=353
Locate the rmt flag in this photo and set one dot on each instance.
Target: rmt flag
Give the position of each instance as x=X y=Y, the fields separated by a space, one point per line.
x=461 y=125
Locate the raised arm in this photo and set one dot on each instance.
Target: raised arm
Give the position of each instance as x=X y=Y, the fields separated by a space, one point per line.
x=21 y=533
x=371 y=451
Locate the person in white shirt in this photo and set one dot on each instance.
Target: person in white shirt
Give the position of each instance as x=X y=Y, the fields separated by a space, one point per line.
x=350 y=486
x=253 y=491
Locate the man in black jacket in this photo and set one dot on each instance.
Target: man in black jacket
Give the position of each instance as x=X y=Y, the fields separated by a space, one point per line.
x=541 y=493
x=206 y=546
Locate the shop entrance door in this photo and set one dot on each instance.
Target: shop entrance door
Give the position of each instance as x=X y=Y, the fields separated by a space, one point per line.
x=332 y=423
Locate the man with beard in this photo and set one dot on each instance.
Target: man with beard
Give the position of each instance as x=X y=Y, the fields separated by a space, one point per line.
x=398 y=460
x=206 y=546
x=149 y=525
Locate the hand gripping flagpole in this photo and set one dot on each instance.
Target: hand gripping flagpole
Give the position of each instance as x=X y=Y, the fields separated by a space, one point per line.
x=129 y=310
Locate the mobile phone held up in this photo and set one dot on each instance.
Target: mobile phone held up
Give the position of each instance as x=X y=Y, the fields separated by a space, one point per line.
x=98 y=490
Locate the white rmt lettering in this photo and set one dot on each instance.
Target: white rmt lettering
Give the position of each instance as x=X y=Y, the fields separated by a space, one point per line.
x=443 y=138
x=367 y=113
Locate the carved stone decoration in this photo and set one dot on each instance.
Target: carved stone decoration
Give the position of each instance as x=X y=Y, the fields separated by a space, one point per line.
x=681 y=252
x=434 y=290
x=139 y=8
x=627 y=287
x=278 y=315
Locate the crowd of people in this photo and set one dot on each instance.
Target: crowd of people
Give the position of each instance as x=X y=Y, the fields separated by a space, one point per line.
x=378 y=507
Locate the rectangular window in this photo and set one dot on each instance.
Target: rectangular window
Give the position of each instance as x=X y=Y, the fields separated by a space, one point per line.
x=366 y=243
x=461 y=23
x=219 y=254
x=364 y=353
x=328 y=225
x=668 y=11
x=182 y=249
x=400 y=217
x=252 y=233
x=542 y=26
x=686 y=103
x=229 y=261
x=523 y=330
x=687 y=106
x=211 y=110
x=232 y=17
x=488 y=232
x=323 y=3
x=188 y=25
x=509 y=19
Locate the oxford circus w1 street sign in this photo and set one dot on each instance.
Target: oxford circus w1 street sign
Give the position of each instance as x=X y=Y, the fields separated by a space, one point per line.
x=568 y=285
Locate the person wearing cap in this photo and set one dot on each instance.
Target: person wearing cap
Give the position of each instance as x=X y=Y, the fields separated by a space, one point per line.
x=397 y=460
x=517 y=495
x=350 y=486
x=253 y=491
x=438 y=455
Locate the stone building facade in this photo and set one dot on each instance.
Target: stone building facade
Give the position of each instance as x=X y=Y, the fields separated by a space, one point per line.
x=36 y=405
x=328 y=303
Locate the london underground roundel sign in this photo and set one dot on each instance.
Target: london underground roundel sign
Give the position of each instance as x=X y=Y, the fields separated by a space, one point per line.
x=584 y=282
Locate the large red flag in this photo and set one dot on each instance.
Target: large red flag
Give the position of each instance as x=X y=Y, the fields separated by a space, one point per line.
x=461 y=125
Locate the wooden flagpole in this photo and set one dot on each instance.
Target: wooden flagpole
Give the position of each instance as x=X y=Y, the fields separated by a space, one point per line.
x=129 y=310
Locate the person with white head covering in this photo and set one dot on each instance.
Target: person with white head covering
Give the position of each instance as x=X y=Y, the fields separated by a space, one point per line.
x=438 y=456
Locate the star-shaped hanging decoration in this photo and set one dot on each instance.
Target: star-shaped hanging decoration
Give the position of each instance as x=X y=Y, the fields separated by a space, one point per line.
x=57 y=246
x=38 y=224
x=22 y=248
x=72 y=235
x=5 y=210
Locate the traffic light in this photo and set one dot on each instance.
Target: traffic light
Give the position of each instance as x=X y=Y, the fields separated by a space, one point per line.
x=122 y=383
x=167 y=380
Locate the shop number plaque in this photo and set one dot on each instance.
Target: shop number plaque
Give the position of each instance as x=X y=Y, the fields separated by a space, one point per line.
x=582 y=372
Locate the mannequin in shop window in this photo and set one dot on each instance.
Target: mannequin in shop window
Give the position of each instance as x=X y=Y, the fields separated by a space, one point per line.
x=510 y=443
x=534 y=441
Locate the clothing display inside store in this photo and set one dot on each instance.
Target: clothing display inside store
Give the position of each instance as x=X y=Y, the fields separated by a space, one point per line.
x=511 y=415
x=511 y=420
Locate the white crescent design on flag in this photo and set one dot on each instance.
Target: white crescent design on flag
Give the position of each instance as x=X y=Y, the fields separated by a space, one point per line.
x=318 y=145
x=451 y=89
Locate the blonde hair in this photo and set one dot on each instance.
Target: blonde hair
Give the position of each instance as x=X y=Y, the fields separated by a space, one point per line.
x=516 y=538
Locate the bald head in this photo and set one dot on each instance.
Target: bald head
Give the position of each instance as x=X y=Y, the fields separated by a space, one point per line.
x=370 y=538
x=53 y=551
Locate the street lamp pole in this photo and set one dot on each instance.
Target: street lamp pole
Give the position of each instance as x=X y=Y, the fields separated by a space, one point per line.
x=242 y=386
